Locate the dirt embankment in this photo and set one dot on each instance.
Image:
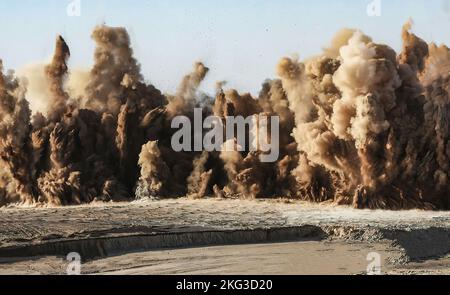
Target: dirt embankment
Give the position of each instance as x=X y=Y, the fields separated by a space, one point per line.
x=103 y=231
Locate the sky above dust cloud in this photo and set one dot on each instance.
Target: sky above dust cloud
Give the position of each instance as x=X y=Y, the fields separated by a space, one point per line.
x=241 y=41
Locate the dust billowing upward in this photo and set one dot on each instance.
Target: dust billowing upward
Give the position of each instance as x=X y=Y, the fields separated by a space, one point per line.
x=360 y=125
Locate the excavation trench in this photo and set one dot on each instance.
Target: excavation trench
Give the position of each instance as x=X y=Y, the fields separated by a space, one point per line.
x=417 y=244
x=91 y=248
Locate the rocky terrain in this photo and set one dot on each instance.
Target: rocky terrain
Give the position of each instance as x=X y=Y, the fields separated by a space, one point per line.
x=222 y=237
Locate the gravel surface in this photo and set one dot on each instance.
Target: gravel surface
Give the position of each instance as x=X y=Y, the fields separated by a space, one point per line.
x=26 y=225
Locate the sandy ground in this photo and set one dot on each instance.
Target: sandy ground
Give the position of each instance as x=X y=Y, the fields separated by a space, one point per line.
x=265 y=259
x=293 y=258
x=222 y=237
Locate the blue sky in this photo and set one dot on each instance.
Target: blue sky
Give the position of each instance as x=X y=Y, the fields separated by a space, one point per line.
x=240 y=40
